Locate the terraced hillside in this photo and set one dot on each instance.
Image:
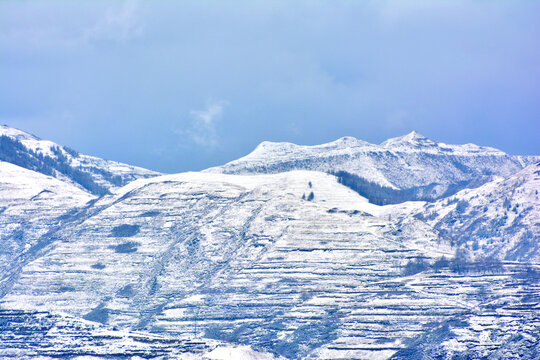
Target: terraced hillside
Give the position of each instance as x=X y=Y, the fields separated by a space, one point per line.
x=31 y=334
x=31 y=205
x=250 y=260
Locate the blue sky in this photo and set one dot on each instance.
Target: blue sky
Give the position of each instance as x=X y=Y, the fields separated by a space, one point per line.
x=176 y=86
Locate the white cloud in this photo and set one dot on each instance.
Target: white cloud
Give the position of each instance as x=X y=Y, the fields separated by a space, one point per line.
x=207 y=116
x=203 y=124
x=119 y=23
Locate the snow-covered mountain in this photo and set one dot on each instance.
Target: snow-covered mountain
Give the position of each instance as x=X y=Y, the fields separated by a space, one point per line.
x=410 y=167
x=292 y=263
x=245 y=259
x=500 y=218
x=90 y=173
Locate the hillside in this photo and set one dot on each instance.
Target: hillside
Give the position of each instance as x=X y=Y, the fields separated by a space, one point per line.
x=94 y=175
x=249 y=260
x=500 y=218
x=31 y=204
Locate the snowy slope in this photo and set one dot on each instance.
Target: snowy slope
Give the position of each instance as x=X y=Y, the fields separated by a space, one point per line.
x=500 y=218
x=406 y=162
x=30 y=205
x=90 y=173
x=42 y=335
x=246 y=260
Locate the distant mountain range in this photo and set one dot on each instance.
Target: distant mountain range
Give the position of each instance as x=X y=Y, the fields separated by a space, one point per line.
x=300 y=252
x=410 y=167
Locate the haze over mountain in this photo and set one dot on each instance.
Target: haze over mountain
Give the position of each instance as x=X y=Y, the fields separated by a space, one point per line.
x=274 y=252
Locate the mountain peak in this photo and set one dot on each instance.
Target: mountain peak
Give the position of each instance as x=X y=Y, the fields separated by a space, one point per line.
x=271 y=146
x=413 y=138
x=414 y=135
x=348 y=141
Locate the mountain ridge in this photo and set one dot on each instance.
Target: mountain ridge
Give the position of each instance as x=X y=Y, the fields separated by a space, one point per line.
x=94 y=175
x=421 y=168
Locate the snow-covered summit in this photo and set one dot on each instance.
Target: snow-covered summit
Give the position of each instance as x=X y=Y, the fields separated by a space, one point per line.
x=412 y=161
x=411 y=139
x=415 y=141
x=283 y=148
x=16 y=133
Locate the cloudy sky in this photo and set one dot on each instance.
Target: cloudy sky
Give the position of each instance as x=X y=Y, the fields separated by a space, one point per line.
x=176 y=86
